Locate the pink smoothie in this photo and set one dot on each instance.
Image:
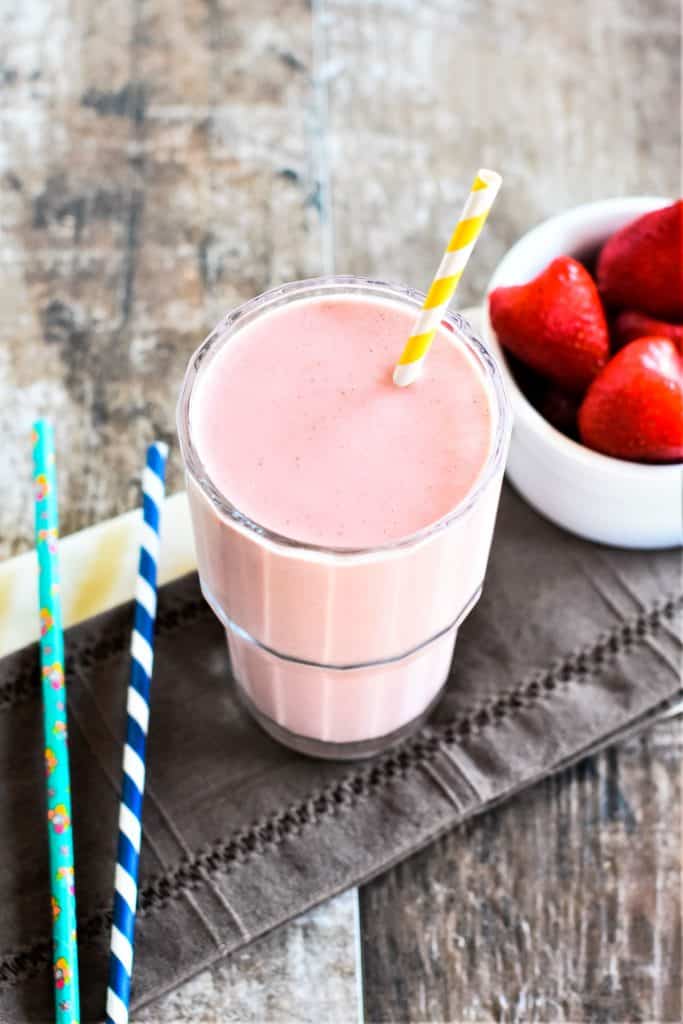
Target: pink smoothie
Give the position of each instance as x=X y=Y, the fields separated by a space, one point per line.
x=295 y=421
x=299 y=423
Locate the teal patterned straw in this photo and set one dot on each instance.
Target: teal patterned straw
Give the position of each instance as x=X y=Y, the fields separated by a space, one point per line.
x=65 y=951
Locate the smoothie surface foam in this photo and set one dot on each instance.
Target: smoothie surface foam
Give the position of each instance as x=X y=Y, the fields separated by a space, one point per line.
x=298 y=423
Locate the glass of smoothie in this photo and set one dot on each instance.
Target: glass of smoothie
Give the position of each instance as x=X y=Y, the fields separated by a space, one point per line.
x=342 y=524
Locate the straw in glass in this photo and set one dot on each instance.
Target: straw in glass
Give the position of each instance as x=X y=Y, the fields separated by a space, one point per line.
x=59 y=817
x=479 y=202
x=137 y=719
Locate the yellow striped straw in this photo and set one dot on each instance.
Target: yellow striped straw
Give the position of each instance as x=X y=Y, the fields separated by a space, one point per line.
x=480 y=200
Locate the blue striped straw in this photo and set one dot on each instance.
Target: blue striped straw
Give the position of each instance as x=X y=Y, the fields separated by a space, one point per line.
x=137 y=718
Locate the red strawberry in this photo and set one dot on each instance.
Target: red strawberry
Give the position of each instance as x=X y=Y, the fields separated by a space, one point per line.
x=641 y=266
x=634 y=407
x=555 y=324
x=630 y=325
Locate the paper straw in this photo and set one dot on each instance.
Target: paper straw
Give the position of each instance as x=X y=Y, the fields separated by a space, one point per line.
x=65 y=955
x=137 y=717
x=480 y=200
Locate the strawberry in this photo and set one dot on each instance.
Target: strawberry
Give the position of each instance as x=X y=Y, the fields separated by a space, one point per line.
x=641 y=267
x=634 y=407
x=555 y=324
x=630 y=325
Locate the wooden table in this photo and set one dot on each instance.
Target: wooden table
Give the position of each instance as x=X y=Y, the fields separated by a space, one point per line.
x=162 y=161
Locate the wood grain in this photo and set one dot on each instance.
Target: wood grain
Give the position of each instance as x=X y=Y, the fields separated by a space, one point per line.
x=570 y=101
x=303 y=971
x=563 y=905
x=159 y=165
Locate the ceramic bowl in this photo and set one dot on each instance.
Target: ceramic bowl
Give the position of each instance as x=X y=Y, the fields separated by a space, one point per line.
x=625 y=504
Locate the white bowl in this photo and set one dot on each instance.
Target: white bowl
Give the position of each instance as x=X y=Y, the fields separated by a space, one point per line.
x=626 y=504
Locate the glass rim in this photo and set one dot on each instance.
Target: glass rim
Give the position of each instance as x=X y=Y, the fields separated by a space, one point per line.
x=310 y=288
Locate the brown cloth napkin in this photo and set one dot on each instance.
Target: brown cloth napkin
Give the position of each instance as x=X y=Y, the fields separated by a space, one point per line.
x=572 y=646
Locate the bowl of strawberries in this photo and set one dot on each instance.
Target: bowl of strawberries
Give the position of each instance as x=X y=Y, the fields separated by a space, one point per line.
x=586 y=315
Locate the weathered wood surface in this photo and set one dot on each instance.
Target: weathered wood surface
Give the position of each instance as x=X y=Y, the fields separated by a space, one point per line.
x=570 y=101
x=304 y=971
x=562 y=905
x=158 y=165
x=161 y=161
